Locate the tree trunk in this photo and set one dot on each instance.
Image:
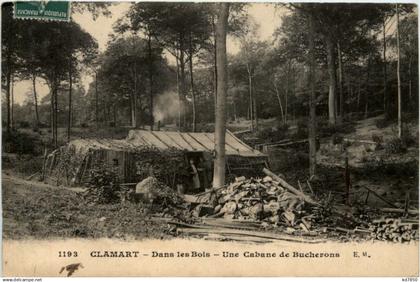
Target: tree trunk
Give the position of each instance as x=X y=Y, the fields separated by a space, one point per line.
x=56 y=114
x=386 y=99
x=149 y=44
x=52 y=113
x=70 y=94
x=255 y=113
x=340 y=82
x=12 y=106
x=332 y=81
x=96 y=101
x=410 y=87
x=178 y=87
x=312 y=102
x=194 y=118
x=279 y=100
x=35 y=99
x=8 y=80
x=285 y=102
x=215 y=63
x=182 y=77
x=235 y=118
x=114 y=114
x=134 y=95
x=367 y=89
x=220 y=119
x=289 y=67
x=251 y=99
x=398 y=73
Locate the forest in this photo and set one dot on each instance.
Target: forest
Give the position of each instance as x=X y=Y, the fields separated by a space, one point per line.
x=360 y=64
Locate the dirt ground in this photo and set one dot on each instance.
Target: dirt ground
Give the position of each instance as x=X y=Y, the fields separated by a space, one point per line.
x=35 y=210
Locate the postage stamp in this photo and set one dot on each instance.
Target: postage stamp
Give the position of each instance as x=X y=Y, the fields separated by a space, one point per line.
x=43 y=10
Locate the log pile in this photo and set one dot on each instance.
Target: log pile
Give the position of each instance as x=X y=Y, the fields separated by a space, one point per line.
x=258 y=199
x=394 y=229
x=269 y=200
x=270 y=203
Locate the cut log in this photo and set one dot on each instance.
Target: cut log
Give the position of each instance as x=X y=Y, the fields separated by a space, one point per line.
x=216 y=222
x=226 y=232
x=240 y=238
x=396 y=210
x=289 y=187
x=360 y=141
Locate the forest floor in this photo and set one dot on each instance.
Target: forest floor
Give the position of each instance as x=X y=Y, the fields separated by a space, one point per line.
x=36 y=210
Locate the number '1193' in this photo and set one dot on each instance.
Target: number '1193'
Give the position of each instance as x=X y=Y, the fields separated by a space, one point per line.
x=67 y=254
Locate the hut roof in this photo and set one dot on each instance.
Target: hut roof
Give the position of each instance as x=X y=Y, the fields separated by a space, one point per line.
x=188 y=141
x=82 y=146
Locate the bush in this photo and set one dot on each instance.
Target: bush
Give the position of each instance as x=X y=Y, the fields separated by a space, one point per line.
x=326 y=130
x=302 y=129
x=273 y=135
x=202 y=127
x=382 y=123
x=43 y=125
x=103 y=185
x=377 y=138
x=408 y=137
x=21 y=143
x=395 y=146
x=28 y=165
x=35 y=129
x=24 y=124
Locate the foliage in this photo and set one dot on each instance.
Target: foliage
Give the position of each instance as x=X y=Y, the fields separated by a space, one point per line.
x=302 y=129
x=125 y=62
x=21 y=143
x=103 y=185
x=28 y=165
x=383 y=122
x=167 y=166
x=395 y=146
x=273 y=135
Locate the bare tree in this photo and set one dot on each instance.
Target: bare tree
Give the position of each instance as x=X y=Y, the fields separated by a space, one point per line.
x=312 y=102
x=398 y=72
x=70 y=93
x=220 y=119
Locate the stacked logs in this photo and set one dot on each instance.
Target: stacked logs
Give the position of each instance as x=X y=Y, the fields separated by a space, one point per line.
x=394 y=229
x=259 y=199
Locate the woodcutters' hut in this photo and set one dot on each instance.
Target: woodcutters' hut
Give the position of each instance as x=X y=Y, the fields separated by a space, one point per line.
x=167 y=155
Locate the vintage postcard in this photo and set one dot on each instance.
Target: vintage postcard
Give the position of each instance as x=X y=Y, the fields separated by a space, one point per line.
x=210 y=139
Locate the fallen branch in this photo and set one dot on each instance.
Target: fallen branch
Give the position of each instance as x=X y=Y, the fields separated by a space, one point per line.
x=33 y=175
x=310 y=187
x=289 y=187
x=380 y=197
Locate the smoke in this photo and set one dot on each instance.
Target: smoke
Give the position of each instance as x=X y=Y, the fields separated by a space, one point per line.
x=166 y=107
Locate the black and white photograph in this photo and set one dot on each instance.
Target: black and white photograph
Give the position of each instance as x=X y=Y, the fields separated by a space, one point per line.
x=209 y=139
